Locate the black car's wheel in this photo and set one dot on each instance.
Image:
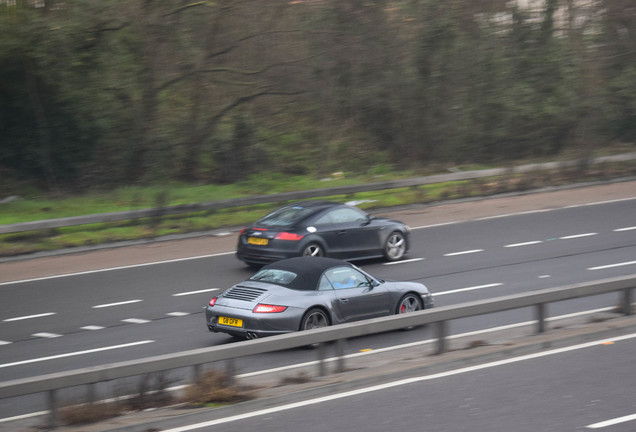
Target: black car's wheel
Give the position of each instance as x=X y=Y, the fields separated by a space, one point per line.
x=314 y=318
x=395 y=246
x=313 y=249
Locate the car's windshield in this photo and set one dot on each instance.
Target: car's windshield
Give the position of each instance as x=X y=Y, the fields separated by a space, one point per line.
x=282 y=277
x=285 y=216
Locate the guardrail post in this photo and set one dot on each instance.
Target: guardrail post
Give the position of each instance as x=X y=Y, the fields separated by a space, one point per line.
x=53 y=414
x=540 y=309
x=196 y=372
x=322 y=369
x=230 y=370
x=442 y=332
x=340 y=347
x=627 y=301
x=90 y=393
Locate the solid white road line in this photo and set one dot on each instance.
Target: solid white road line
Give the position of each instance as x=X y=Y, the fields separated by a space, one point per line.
x=71 y=354
x=612 y=422
x=398 y=383
x=424 y=342
x=29 y=317
x=116 y=268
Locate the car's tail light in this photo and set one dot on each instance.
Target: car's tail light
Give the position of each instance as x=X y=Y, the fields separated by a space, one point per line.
x=253 y=229
x=213 y=301
x=265 y=308
x=288 y=236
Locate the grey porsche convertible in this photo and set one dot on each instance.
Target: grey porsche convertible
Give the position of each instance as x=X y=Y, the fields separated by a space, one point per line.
x=309 y=292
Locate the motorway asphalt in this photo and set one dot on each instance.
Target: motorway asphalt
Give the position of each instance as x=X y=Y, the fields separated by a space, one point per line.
x=367 y=368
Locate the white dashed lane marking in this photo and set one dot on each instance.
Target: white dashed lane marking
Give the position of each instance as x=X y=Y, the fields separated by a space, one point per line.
x=492 y=285
x=116 y=304
x=28 y=317
x=603 y=267
x=404 y=261
x=463 y=252
x=523 y=244
x=575 y=236
x=46 y=335
x=135 y=321
x=194 y=292
x=92 y=327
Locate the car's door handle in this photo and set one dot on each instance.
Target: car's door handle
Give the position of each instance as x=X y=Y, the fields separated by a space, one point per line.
x=342 y=232
x=344 y=300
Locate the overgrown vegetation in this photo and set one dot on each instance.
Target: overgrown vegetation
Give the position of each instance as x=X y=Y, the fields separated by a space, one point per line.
x=215 y=387
x=212 y=388
x=97 y=95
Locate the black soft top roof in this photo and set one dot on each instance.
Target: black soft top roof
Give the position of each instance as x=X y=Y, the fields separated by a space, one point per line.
x=308 y=269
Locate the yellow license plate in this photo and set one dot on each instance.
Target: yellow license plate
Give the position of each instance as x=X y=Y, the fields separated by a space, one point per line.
x=233 y=322
x=257 y=240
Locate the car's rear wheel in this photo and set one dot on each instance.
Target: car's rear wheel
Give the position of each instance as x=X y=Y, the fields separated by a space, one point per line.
x=314 y=250
x=314 y=318
x=395 y=246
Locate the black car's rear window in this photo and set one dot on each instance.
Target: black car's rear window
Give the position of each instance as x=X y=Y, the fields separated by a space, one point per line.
x=281 y=277
x=286 y=216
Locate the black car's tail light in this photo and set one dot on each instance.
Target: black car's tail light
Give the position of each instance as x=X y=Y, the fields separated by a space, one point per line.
x=212 y=302
x=265 y=308
x=288 y=236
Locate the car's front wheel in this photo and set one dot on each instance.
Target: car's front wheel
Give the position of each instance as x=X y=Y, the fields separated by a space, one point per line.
x=314 y=318
x=395 y=246
x=313 y=250
x=409 y=303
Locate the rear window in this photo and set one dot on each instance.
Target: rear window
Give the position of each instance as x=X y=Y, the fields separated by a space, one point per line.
x=286 y=216
x=281 y=277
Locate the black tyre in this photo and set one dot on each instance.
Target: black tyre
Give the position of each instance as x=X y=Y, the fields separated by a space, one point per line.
x=314 y=318
x=395 y=246
x=313 y=249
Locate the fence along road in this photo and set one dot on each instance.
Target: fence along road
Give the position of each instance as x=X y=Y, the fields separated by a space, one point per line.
x=290 y=196
x=340 y=333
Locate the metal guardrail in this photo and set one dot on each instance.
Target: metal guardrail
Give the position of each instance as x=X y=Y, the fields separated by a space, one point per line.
x=290 y=196
x=439 y=316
